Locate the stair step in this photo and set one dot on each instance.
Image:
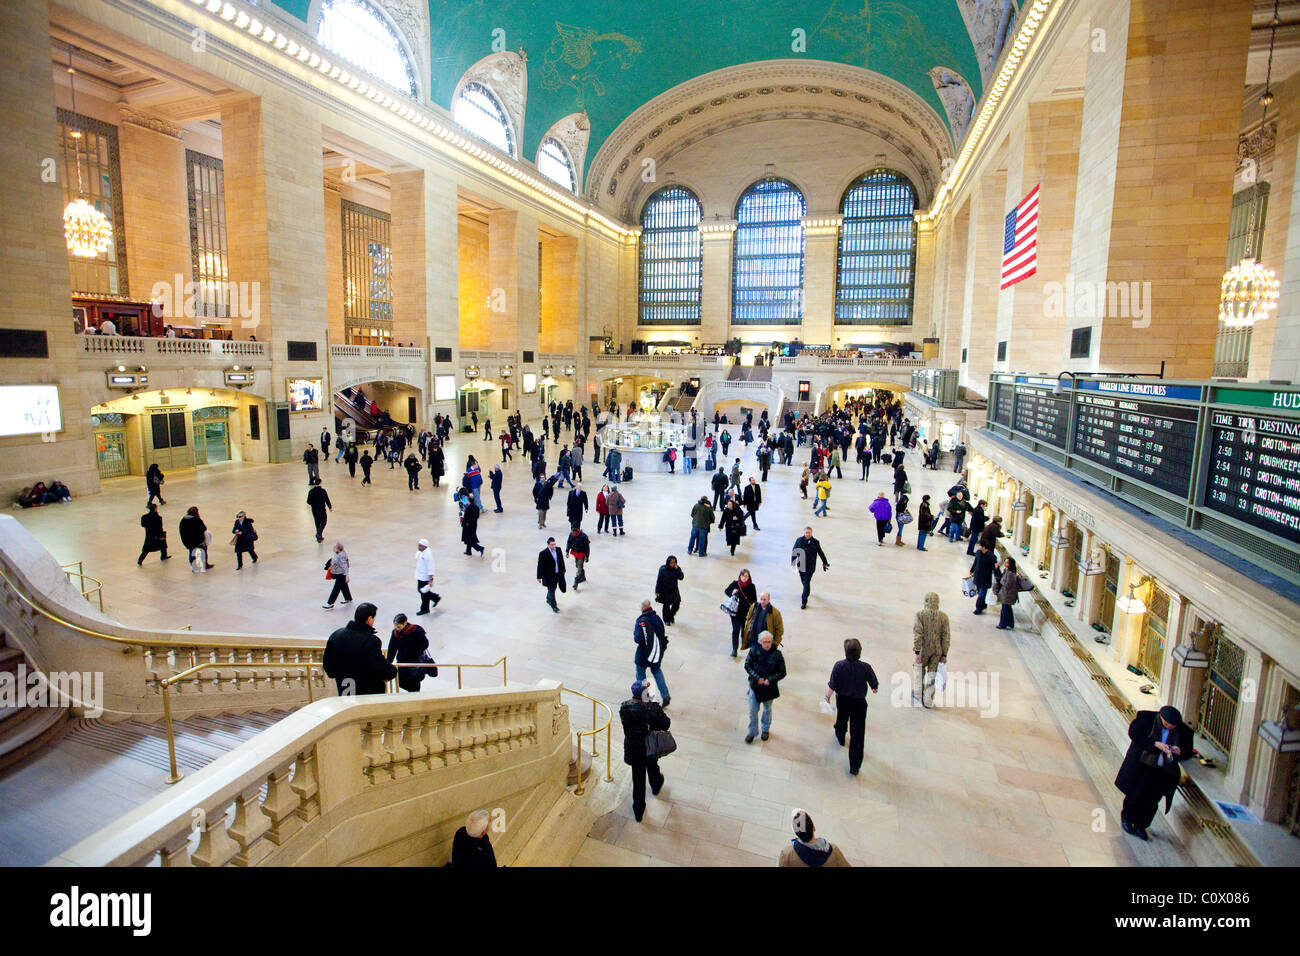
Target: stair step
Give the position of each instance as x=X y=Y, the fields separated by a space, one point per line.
x=10 y=658
x=25 y=730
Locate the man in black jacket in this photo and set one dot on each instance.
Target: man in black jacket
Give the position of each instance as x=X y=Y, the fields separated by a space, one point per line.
x=765 y=666
x=639 y=718
x=978 y=519
x=719 y=484
x=849 y=681
x=752 y=498
x=155 y=538
x=319 y=500
x=982 y=569
x=354 y=656
x=194 y=536
x=311 y=458
x=807 y=550
x=550 y=572
x=1160 y=741
x=651 y=643
x=576 y=505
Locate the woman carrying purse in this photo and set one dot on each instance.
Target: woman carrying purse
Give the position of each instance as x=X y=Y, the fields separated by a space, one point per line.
x=338 y=570
x=745 y=596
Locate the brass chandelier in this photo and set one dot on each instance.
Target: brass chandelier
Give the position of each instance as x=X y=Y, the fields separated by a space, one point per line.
x=87 y=230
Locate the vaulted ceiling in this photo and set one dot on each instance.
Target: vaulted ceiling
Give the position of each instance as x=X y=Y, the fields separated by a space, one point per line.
x=609 y=58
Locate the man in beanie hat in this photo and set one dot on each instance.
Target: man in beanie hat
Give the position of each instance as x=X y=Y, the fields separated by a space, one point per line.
x=640 y=715
x=808 y=849
x=1160 y=742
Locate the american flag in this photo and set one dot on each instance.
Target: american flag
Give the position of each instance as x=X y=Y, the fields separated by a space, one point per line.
x=1020 y=241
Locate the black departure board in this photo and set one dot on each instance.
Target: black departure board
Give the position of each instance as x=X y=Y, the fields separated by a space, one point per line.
x=1043 y=415
x=1254 y=471
x=1153 y=442
x=1003 y=401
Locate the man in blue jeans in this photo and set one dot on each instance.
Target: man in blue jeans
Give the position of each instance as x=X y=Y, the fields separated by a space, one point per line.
x=957 y=508
x=648 y=632
x=702 y=518
x=765 y=666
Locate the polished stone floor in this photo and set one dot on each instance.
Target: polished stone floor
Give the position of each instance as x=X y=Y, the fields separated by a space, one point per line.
x=943 y=787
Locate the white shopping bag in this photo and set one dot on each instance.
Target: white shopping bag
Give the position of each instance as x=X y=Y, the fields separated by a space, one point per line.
x=827 y=706
x=941 y=677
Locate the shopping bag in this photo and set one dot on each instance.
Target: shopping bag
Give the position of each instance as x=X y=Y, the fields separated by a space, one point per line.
x=827 y=707
x=941 y=677
x=968 y=588
x=731 y=604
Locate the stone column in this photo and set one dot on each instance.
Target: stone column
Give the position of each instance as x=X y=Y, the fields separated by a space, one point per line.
x=950 y=323
x=276 y=232
x=1087 y=583
x=923 y=316
x=334 y=263
x=410 y=256
x=1174 y=681
x=1158 y=147
x=821 y=245
x=558 y=330
x=506 y=272
x=1126 y=629
x=1269 y=774
x=1250 y=711
x=155 y=202
x=984 y=253
x=715 y=307
x=34 y=262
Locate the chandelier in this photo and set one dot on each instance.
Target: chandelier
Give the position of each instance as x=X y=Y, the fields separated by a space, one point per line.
x=1249 y=293
x=87 y=230
x=1250 y=290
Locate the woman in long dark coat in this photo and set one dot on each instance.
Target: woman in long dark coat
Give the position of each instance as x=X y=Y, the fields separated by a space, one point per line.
x=733 y=523
x=245 y=534
x=437 y=463
x=1160 y=742
x=155 y=538
x=469 y=523
x=153 y=479
x=666 y=589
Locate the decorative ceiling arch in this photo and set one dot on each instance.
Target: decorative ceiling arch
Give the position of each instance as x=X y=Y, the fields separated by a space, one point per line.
x=572 y=132
x=409 y=20
x=506 y=75
x=983 y=19
x=958 y=99
x=762 y=92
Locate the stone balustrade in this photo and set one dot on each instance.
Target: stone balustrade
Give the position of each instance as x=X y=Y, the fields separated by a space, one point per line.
x=221 y=349
x=375 y=780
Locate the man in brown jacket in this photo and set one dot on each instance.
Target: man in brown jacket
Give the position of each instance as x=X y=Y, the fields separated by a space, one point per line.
x=762 y=616
x=808 y=849
x=930 y=637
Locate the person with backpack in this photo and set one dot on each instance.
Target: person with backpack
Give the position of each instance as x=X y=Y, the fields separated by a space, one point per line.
x=808 y=849
x=651 y=643
x=640 y=718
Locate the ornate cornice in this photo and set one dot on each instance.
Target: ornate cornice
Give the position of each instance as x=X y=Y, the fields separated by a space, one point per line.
x=1257 y=143
x=136 y=118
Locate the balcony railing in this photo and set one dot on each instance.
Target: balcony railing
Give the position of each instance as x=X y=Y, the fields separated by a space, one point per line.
x=375 y=352
x=135 y=345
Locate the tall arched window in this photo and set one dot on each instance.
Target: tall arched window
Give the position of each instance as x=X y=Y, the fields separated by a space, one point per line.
x=480 y=113
x=877 y=254
x=671 y=262
x=356 y=31
x=553 y=162
x=767 y=255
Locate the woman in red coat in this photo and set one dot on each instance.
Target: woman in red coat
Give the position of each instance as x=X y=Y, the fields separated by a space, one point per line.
x=602 y=509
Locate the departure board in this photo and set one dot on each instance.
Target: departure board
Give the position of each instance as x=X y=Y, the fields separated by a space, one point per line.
x=1003 y=401
x=1254 y=471
x=1153 y=442
x=1043 y=415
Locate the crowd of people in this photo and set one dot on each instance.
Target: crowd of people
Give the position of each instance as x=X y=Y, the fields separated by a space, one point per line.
x=756 y=628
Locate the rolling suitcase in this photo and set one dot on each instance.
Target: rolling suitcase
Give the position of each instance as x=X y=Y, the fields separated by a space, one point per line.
x=627 y=473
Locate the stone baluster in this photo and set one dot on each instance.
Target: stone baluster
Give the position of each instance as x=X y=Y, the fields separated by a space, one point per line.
x=399 y=753
x=281 y=805
x=478 y=726
x=216 y=848
x=306 y=786
x=416 y=745
x=435 y=731
x=375 y=758
x=176 y=851
x=249 y=827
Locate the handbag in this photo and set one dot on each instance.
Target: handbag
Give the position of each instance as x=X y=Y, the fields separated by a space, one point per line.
x=968 y=588
x=904 y=518
x=1023 y=583
x=765 y=692
x=889 y=527
x=431 y=670
x=732 y=604
x=907 y=487
x=329 y=574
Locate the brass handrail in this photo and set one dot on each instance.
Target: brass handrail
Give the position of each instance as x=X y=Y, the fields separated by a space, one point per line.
x=609 y=776
x=393 y=688
x=166 y=683
x=97 y=590
x=159 y=642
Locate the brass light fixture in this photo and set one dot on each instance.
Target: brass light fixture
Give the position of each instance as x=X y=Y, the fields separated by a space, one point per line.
x=86 y=230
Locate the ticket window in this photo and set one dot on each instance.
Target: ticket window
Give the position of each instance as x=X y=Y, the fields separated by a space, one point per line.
x=111 y=446
x=1151 y=651
x=1109 y=591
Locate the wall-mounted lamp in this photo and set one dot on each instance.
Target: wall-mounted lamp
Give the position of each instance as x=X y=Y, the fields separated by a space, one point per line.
x=1189 y=653
x=507 y=371
x=569 y=371
x=1034 y=521
x=547 y=371
x=1058 y=388
x=1283 y=734
x=471 y=371
x=1131 y=603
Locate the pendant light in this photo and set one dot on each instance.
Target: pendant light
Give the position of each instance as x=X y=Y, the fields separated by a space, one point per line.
x=87 y=230
x=1250 y=290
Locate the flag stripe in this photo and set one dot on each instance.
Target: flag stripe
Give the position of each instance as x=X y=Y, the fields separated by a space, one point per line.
x=1020 y=241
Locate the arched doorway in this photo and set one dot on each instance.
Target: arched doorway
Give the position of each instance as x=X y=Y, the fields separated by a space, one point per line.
x=177 y=429
x=860 y=389
x=372 y=405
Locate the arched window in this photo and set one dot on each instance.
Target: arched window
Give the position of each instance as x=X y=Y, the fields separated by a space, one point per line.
x=357 y=32
x=877 y=254
x=553 y=162
x=767 y=255
x=479 y=112
x=670 y=258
